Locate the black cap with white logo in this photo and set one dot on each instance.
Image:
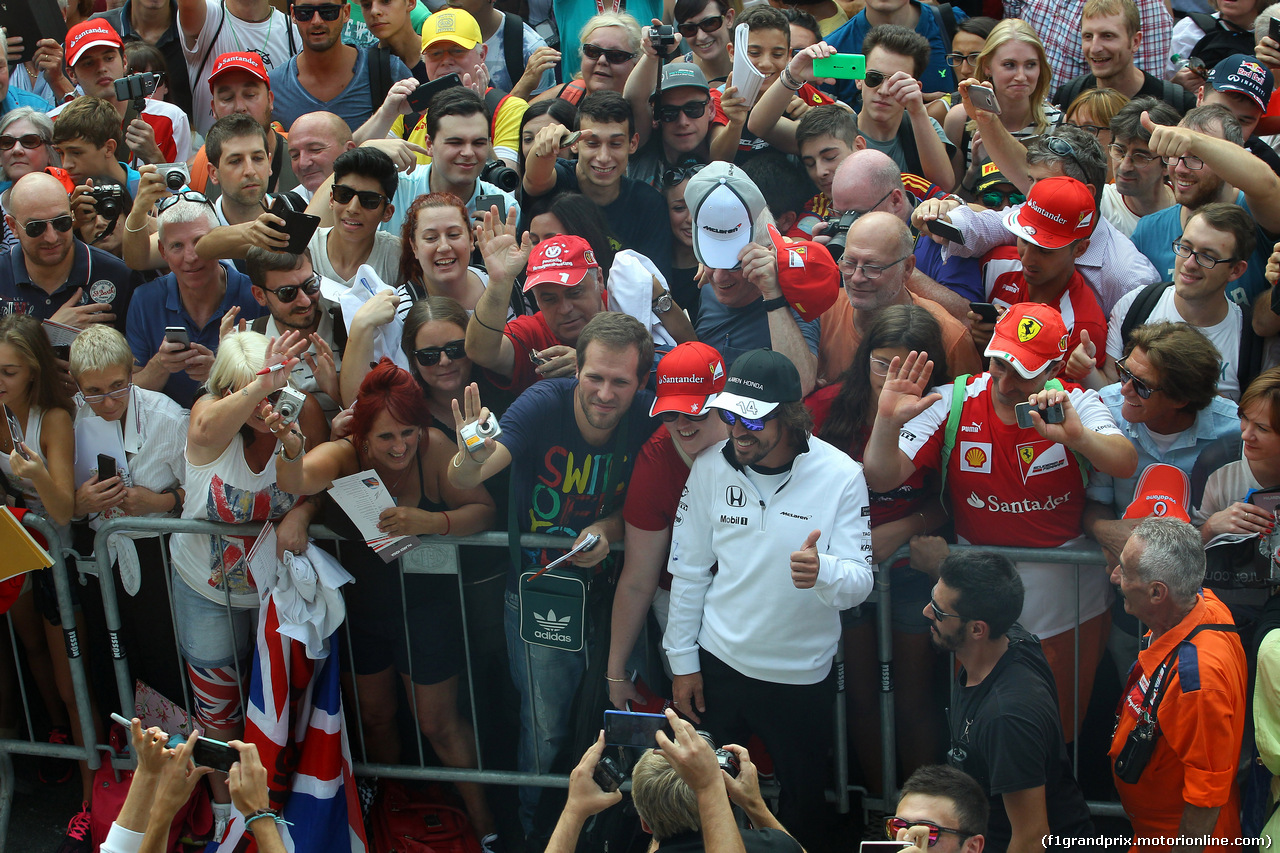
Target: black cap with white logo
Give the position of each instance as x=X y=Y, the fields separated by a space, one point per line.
x=757 y=382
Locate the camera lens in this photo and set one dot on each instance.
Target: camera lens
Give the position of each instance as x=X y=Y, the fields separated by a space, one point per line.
x=174 y=180
x=500 y=175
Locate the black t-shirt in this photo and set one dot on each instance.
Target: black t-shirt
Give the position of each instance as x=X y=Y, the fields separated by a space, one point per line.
x=1008 y=731
x=1152 y=87
x=637 y=217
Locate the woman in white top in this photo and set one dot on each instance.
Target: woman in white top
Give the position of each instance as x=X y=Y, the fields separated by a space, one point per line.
x=231 y=477
x=43 y=483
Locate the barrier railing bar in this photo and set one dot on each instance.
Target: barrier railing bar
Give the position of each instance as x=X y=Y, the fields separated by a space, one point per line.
x=22 y=682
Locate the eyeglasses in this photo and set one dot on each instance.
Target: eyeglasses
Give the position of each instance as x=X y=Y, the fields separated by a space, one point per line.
x=893 y=825
x=1119 y=152
x=869 y=271
x=677 y=174
x=997 y=199
x=611 y=56
x=430 y=356
x=939 y=612
x=668 y=113
x=753 y=424
x=369 y=200
x=671 y=417
x=37 y=227
x=880 y=366
x=289 y=292
x=118 y=394
x=1063 y=148
x=328 y=12
x=29 y=141
x=1195 y=164
x=1091 y=129
x=184 y=195
x=873 y=79
x=855 y=215
x=1142 y=389
x=1208 y=262
x=707 y=25
x=955 y=60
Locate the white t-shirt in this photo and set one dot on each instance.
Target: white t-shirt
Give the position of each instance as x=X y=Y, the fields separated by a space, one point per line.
x=1225 y=335
x=1115 y=211
x=385 y=257
x=270 y=39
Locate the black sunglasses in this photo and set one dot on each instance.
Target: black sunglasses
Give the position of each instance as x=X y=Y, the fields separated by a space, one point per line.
x=37 y=227
x=29 y=141
x=707 y=25
x=328 y=12
x=1142 y=389
x=1063 y=148
x=430 y=356
x=289 y=292
x=369 y=199
x=671 y=417
x=611 y=56
x=894 y=824
x=184 y=195
x=668 y=113
x=873 y=79
x=676 y=174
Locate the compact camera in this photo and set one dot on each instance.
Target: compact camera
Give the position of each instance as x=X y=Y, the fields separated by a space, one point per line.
x=664 y=40
x=500 y=175
x=176 y=175
x=727 y=760
x=136 y=86
x=608 y=774
x=108 y=199
x=288 y=403
x=474 y=434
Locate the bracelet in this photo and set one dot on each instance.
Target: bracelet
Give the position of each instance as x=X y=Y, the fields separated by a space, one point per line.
x=788 y=79
x=448 y=525
x=457 y=459
x=135 y=230
x=283 y=452
x=616 y=680
x=258 y=815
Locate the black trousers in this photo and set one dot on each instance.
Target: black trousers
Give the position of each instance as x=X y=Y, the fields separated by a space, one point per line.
x=795 y=722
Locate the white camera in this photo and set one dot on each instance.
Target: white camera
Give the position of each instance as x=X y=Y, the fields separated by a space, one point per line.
x=288 y=404
x=474 y=434
x=176 y=175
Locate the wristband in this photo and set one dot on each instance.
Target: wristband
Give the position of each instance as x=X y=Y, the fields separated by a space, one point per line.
x=135 y=230
x=775 y=304
x=616 y=680
x=789 y=81
x=448 y=525
x=258 y=815
x=176 y=512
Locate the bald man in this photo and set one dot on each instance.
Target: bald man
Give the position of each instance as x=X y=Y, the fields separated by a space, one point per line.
x=315 y=141
x=54 y=276
x=882 y=242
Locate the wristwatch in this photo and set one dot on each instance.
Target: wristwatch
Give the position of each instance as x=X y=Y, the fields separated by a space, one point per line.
x=663 y=303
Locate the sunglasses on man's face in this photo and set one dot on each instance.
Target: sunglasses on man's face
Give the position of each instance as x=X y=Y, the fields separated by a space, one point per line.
x=671 y=112
x=289 y=292
x=430 y=356
x=753 y=424
x=29 y=141
x=369 y=200
x=328 y=12
x=611 y=55
x=36 y=227
x=873 y=79
x=894 y=824
x=707 y=25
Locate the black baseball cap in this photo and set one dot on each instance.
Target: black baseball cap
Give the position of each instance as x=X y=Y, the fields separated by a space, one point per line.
x=757 y=382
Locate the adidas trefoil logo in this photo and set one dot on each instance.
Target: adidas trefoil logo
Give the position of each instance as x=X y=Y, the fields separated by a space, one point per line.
x=551 y=622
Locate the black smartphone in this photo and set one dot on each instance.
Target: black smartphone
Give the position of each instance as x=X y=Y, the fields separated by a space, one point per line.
x=632 y=728
x=33 y=21
x=177 y=335
x=985 y=310
x=214 y=753
x=420 y=98
x=106 y=467
x=1275 y=30
x=299 y=227
x=946 y=231
x=1053 y=414
x=487 y=201
x=15 y=432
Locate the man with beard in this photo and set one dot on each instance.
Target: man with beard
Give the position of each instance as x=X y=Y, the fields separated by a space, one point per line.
x=751 y=645
x=571 y=444
x=1003 y=718
x=1207 y=164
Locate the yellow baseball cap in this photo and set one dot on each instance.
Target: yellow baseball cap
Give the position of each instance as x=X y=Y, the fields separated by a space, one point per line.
x=451 y=25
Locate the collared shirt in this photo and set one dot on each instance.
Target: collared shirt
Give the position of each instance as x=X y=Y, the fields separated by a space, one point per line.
x=158 y=304
x=169 y=44
x=1112 y=265
x=99 y=276
x=418 y=182
x=1058 y=25
x=1219 y=418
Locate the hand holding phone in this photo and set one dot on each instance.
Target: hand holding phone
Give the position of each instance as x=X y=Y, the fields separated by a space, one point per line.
x=1053 y=414
x=984 y=98
x=944 y=229
x=840 y=66
x=15 y=433
x=177 y=335
x=633 y=728
x=987 y=312
x=214 y=753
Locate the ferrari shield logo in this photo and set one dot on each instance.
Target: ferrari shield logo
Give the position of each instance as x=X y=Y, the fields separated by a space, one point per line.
x=1027 y=453
x=1028 y=329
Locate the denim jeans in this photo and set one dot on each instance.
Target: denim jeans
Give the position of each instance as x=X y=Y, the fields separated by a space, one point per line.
x=548 y=689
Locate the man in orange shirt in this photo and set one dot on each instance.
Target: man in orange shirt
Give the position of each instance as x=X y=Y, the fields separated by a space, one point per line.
x=1193 y=671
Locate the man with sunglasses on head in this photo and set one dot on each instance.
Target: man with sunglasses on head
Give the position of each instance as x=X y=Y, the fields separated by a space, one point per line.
x=940 y=809
x=328 y=74
x=212 y=28
x=684 y=115
x=1003 y=718
x=752 y=644
x=196 y=295
x=364 y=182
x=52 y=275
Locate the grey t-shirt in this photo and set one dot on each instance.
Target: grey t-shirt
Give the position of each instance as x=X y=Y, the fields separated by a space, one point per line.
x=354 y=103
x=733 y=331
x=385 y=257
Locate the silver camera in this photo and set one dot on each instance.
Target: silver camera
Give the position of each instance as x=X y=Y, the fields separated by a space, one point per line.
x=288 y=404
x=474 y=434
x=176 y=175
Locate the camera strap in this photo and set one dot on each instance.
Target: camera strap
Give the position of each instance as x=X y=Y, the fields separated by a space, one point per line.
x=1159 y=682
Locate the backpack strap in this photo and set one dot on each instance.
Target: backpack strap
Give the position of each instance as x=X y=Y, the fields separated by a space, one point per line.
x=1142 y=306
x=1250 y=356
x=379 y=76
x=1071 y=90
x=907 y=139
x=1206 y=22
x=259 y=324
x=946 y=15
x=513 y=45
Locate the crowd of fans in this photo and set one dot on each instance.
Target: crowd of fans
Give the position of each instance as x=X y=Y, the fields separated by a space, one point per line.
x=1014 y=283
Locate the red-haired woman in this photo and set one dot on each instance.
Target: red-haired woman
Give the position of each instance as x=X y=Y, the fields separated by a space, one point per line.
x=437 y=243
x=412 y=462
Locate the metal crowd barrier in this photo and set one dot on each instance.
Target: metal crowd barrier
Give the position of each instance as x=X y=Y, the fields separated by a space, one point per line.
x=79 y=682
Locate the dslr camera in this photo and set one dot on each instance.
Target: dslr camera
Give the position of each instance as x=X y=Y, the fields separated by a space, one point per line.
x=500 y=175
x=838 y=228
x=176 y=175
x=136 y=86
x=727 y=760
x=108 y=199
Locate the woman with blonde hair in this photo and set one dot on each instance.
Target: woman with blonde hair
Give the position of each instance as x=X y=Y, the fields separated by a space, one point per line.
x=609 y=45
x=1092 y=111
x=1012 y=63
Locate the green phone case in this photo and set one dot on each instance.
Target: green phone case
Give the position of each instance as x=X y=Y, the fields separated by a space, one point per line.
x=841 y=66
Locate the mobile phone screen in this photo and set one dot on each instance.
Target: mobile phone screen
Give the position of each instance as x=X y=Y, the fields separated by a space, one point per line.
x=631 y=728
x=214 y=753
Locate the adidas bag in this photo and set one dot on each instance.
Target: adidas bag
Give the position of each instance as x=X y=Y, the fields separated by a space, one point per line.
x=553 y=607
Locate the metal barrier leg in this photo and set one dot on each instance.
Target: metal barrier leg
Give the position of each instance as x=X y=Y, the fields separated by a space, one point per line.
x=842 y=732
x=6 y=795
x=75 y=662
x=111 y=607
x=888 y=725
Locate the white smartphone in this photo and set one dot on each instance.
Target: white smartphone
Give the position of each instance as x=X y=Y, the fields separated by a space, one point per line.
x=984 y=98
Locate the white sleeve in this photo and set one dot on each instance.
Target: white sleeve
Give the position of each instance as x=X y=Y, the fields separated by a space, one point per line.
x=121 y=840
x=193 y=51
x=1213 y=500
x=1093 y=413
x=1115 y=343
x=920 y=429
x=690 y=567
x=844 y=570
x=982 y=232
